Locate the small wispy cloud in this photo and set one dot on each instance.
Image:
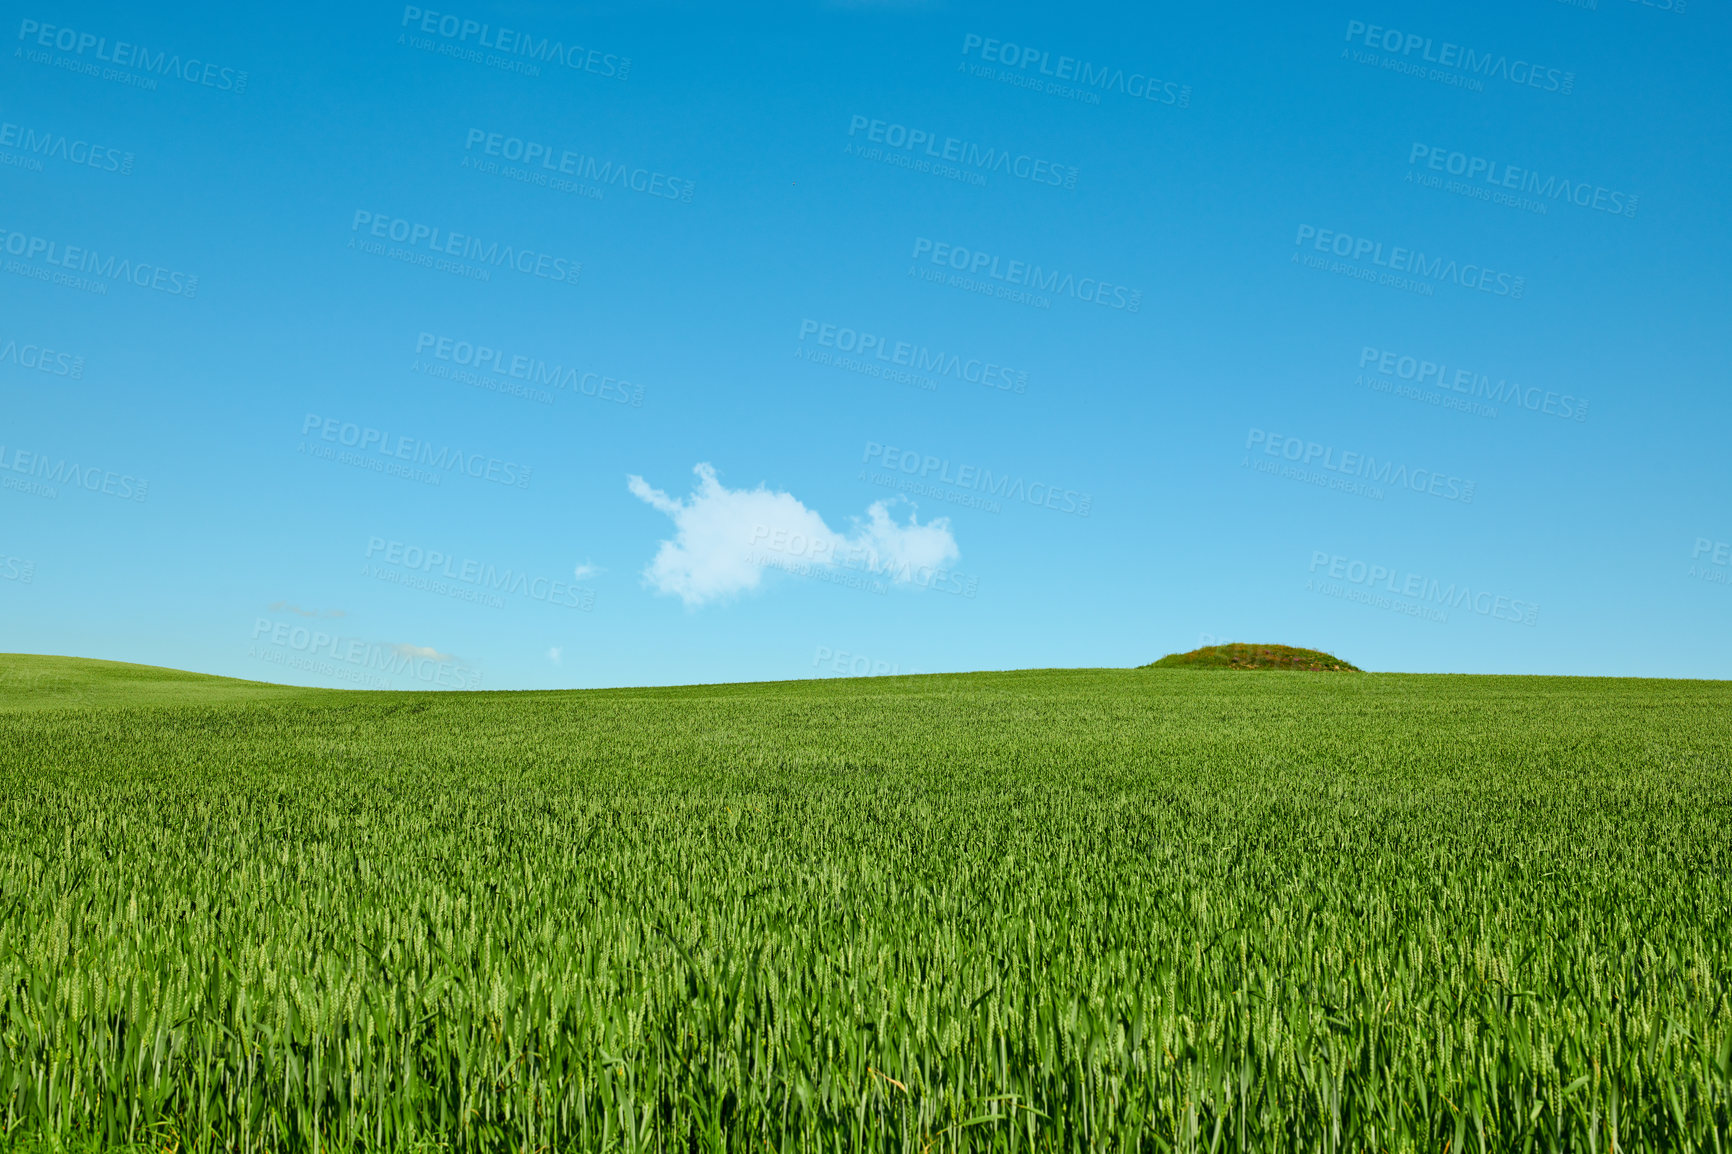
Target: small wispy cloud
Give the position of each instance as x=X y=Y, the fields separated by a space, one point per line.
x=720 y=536
x=423 y=652
x=585 y=570
x=554 y=653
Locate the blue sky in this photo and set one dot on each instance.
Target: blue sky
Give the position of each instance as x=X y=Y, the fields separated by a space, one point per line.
x=540 y=346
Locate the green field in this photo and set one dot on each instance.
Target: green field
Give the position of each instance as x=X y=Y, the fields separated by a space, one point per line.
x=1062 y=909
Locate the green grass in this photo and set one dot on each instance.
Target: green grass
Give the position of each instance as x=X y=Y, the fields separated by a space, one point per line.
x=1241 y=656
x=1076 y=909
x=29 y=682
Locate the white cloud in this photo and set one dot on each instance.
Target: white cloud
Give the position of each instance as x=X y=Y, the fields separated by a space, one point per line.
x=553 y=654
x=585 y=570
x=426 y=652
x=725 y=538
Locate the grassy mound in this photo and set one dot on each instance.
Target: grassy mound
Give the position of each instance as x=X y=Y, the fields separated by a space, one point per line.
x=1045 y=910
x=1240 y=656
x=31 y=681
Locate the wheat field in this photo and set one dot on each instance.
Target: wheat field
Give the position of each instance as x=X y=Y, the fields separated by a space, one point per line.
x=1050 y=910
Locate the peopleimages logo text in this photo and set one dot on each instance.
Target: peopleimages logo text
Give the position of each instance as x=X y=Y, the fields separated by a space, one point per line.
x=942 y=471
x=365 y=440
x=855 y=664
x=58 y=146
x=442 y=241
x=1026 y=274
x=442 y=565
x=1709 y=561
x=551 y=158
x=1464 y=61
x=1312 y=455
x=1470 y=383
x=1717 y=552
x=918 y=358
x=1500 y=175
x=482 y=358
x=510 y=42
x=40 y=358
x=398 y=660
x=1455 y=595
x=1409 y=261
x=1091 y=77
x=983 y=158
x=822 y=553
x=92 y=263
x=48 y=471
x=126 y=55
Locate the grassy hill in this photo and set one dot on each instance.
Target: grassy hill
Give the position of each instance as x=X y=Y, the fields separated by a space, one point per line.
x=1241 y=656
x=1080 y=909
x=28 y=681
